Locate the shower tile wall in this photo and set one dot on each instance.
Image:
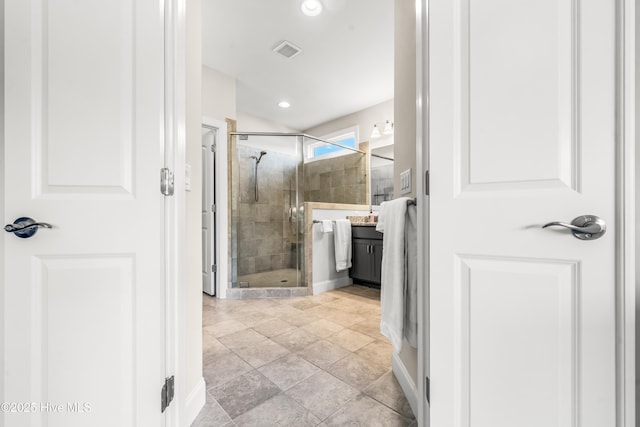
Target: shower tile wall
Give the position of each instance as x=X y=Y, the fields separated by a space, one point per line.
x=266 y=239
x=337 y=180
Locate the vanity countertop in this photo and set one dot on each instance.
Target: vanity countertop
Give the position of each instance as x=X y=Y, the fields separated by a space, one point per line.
x=362 y=220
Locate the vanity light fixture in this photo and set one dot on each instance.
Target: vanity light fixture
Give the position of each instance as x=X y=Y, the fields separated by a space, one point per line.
x=388 y=128
x=311 y=7
x=376 y=132
x=284 y=104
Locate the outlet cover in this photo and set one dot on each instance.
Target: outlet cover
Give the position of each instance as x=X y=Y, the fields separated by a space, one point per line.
x=405 y=182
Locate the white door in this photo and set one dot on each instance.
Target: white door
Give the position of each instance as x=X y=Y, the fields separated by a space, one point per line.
x=209 y=268
x=84 y=301
x=521 y=132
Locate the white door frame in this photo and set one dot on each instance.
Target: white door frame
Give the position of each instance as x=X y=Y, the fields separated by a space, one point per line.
x=222 y=214
x=2 y=237
x=175 y=160
x=422 y=162
x=626 y=210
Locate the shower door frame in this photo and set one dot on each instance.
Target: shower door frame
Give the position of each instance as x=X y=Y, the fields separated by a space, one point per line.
x=299 y=264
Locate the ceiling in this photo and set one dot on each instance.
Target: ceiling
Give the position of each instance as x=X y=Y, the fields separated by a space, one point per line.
x=346 y=63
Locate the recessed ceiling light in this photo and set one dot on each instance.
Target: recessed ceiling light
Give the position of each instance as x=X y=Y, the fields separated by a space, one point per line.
x=311 y=7
x=284 y=104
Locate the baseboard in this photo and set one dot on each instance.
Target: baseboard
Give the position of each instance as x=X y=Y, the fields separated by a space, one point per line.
x=329 y=285
x=406 y=382
x=195 y=402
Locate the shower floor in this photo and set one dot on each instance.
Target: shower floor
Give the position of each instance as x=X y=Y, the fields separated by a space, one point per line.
x=284 y=278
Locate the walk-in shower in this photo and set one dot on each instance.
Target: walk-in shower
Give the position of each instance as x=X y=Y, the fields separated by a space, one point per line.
x=267 y=195
x=266 y=216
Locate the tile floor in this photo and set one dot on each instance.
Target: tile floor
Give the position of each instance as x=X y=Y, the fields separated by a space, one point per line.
x=304 y=361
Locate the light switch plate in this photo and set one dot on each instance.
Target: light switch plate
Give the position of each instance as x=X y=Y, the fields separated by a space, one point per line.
x=405 y=182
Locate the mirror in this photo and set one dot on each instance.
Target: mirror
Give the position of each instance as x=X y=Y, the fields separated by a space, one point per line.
x=381 y=173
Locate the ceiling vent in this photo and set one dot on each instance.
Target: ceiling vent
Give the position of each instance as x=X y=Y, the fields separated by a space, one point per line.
x=287 y=49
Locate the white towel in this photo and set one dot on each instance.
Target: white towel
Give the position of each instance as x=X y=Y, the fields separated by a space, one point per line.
x=342 y=243
x=327 y=226
x=411 y=276
x=392 y=288
x=380 y=224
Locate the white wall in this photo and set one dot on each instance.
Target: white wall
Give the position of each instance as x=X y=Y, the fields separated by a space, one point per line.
x=405 y=124
x=249 y=123
x=192 y=304
x=218 y=94
x=364 y=119
x=405 y=93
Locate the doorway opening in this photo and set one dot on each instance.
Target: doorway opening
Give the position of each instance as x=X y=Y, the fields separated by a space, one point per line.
x=209 y=235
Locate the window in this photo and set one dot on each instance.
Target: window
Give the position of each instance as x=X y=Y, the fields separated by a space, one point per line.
x=346 y=138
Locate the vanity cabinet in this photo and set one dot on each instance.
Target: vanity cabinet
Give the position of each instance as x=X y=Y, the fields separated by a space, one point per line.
x=366 y=260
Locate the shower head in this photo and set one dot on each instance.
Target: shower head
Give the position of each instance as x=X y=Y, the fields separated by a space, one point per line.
x=257 y=159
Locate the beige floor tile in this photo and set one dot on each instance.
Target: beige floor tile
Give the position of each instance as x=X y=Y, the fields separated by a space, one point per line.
x=323 y=353
x=336 y=316
x=262 y=353
x=211 y=345
x=211 y=316
x=378 y=352
x=366 y=412
x=305 y=304
x=356 y=371
x=288 y=371
x=221 y=368
x=350 y=340
x=299 y=319
x=323 y=328
x=280 y=410
x=322 y=394
x=387 y=390
x=274 y=327
x=244 y=393
x=225 y=328
x=245 y=338
x=254 y=318
x=370 y=327
x=295 y=340
x=212 y=415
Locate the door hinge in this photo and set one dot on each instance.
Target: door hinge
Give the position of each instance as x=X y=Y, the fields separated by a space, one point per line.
x=214 y=268
x=213 y=148
x=426 y=183
x=166 y=182
x=166 y=395
x=427 y=392
x=213 y=208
